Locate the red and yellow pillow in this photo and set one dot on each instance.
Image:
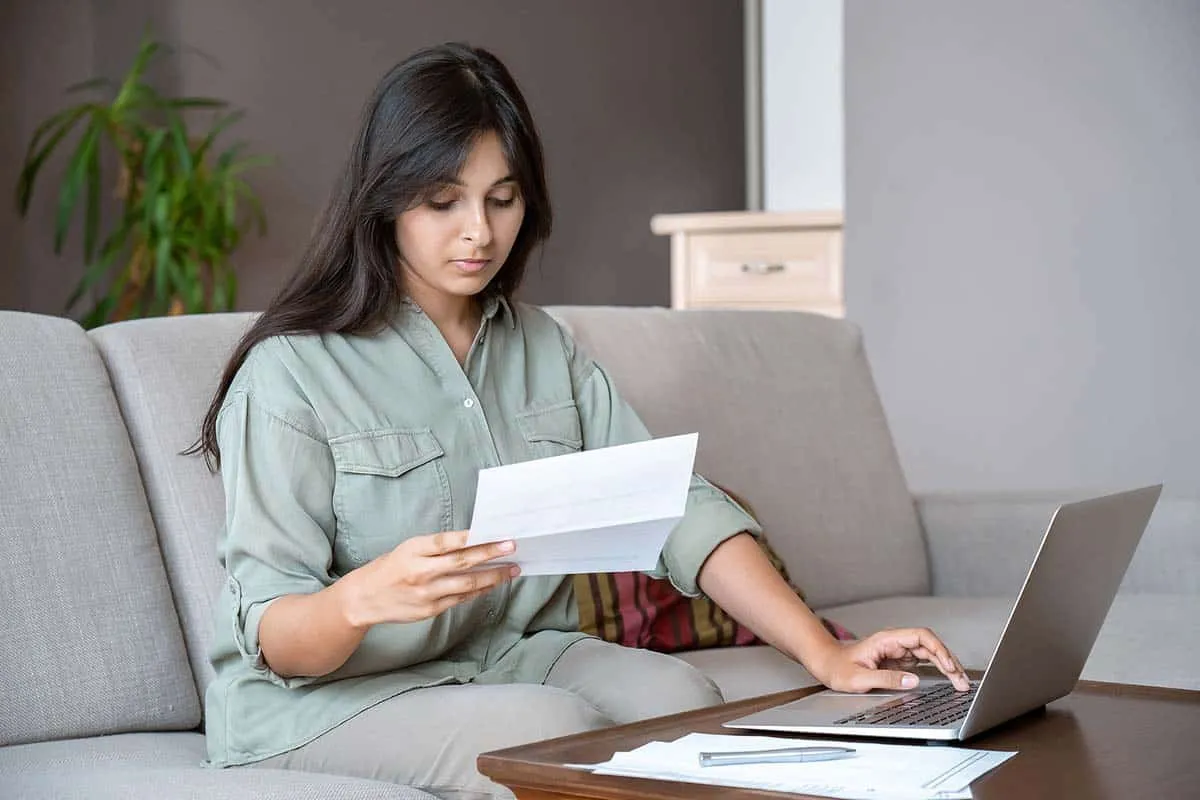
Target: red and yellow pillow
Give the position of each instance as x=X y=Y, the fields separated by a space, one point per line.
x=632 y=609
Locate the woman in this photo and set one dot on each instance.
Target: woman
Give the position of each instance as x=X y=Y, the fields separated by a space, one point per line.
x=357 y=632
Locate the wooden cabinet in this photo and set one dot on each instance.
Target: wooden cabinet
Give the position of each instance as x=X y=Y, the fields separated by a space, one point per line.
x=756 y=259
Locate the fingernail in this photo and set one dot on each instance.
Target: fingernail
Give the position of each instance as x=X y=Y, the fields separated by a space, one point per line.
x=909 y=681
x=507 y=547
x=514 y=570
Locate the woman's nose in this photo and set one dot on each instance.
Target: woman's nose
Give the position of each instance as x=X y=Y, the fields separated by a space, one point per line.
x=477 y=230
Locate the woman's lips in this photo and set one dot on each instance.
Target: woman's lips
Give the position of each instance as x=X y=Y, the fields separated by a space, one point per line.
x=472 y=264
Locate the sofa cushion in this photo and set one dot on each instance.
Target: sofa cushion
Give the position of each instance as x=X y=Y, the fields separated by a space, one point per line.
x=789 y=419
x=635 y=610
x=91 y=641
x=165 y=765
x=1147 y=639
x=165 y=371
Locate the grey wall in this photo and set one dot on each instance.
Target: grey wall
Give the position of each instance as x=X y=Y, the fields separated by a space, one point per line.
x=1023 y=236
x=802 y=119
x=639 y=105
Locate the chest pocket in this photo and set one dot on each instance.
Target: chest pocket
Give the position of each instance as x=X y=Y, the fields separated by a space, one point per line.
x=551 y=431
x=390 y=485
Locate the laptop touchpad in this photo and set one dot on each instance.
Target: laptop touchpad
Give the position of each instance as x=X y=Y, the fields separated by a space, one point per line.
x=837 y=704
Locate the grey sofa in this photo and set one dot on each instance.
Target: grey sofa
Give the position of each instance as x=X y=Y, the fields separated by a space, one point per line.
x=107 y=534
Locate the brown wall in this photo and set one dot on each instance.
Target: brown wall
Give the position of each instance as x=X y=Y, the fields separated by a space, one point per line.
x=43 y=47
x=639 y=105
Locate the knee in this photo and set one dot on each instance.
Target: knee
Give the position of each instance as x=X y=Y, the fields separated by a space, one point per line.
x=664 y=685
x=548 y=712
x=687 y=687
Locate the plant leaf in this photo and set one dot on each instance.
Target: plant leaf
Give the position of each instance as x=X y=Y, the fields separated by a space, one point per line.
x=153 y=176
x=99 y=313
x=223 y=122
x=91 y=221
x=42 y=129
x=162 y=269
x=145 y=54
x=35 y=157
x=113 y=246
x=94 y=83
x=229 y=156
x=195 y=102
x=230 y=290
x=249 y=162
x=195 y=288
x=223 y=283
x=140 y=97
x=179 y=139
x=76 y=177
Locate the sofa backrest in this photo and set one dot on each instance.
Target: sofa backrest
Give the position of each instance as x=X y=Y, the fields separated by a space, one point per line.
x=164 y=371
x=785 y=403
x=91 y=642
x=789 y=419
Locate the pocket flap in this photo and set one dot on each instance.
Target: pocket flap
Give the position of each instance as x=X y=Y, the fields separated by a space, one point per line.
x=386 y=453
x=559 y=424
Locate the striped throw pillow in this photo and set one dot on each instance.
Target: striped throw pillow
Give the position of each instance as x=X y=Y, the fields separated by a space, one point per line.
x=632 y=609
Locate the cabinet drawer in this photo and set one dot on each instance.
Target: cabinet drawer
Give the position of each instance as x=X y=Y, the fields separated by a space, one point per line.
x=773 y=267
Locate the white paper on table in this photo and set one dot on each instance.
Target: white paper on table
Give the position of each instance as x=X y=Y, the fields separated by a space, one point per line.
x=604 y=510
x=876 y=772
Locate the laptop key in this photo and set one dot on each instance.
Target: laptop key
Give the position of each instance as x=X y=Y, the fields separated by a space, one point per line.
x=936 y=706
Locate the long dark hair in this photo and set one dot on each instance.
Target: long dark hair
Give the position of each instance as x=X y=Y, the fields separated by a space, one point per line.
x=416 y=133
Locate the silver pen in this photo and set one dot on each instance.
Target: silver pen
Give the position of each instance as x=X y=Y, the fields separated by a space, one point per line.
x=783 y=755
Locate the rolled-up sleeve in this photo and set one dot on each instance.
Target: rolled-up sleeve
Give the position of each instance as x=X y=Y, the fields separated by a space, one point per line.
x=278 y=539
x=710 y=516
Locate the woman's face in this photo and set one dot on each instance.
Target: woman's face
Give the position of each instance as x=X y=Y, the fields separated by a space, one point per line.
x=452 y=245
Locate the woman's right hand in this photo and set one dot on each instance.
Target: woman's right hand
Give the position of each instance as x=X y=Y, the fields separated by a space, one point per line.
x=422 y=577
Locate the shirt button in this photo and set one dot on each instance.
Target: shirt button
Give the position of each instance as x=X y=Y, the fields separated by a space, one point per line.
x=469 y=403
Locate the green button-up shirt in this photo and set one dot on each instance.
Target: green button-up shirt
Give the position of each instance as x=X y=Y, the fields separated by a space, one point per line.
x=337 y=448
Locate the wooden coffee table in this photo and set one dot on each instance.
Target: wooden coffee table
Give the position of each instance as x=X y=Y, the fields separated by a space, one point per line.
x=1103 y=740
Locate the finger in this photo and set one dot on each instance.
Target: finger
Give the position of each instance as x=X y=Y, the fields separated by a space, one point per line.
x=907 y=662
x=921 y=654
x=471 y=583
x=468 y=558
x=437 y=544
x=914 y=638
x=936 y=652
x=959 y=664
x=864 y=680
x=452 y=600
x=957 y=675
x=959 y=679
x=962 y=671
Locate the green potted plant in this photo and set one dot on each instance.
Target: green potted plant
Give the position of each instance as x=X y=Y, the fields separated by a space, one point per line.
x=184 y=202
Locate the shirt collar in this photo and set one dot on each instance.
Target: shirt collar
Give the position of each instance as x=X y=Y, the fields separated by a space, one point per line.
x=496 y=302
x=492 y=304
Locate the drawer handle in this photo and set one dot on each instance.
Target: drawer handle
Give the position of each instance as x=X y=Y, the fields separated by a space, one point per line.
x=762 y=268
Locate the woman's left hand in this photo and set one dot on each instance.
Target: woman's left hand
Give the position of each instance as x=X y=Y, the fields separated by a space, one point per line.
x=879 y=661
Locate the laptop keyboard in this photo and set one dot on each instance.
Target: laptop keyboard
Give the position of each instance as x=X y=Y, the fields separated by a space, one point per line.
x=938 y=705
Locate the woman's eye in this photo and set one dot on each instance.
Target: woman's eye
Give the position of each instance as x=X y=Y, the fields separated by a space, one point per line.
x=503 y=202
x=440 y=205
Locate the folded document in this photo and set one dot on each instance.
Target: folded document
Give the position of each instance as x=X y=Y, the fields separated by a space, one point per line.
x=876 y=772
x=604 y=510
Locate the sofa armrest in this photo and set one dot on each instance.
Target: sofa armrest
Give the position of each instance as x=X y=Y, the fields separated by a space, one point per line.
x=981 y=545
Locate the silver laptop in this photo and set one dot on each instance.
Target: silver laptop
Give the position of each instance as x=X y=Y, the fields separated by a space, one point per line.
x=1046 y=641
